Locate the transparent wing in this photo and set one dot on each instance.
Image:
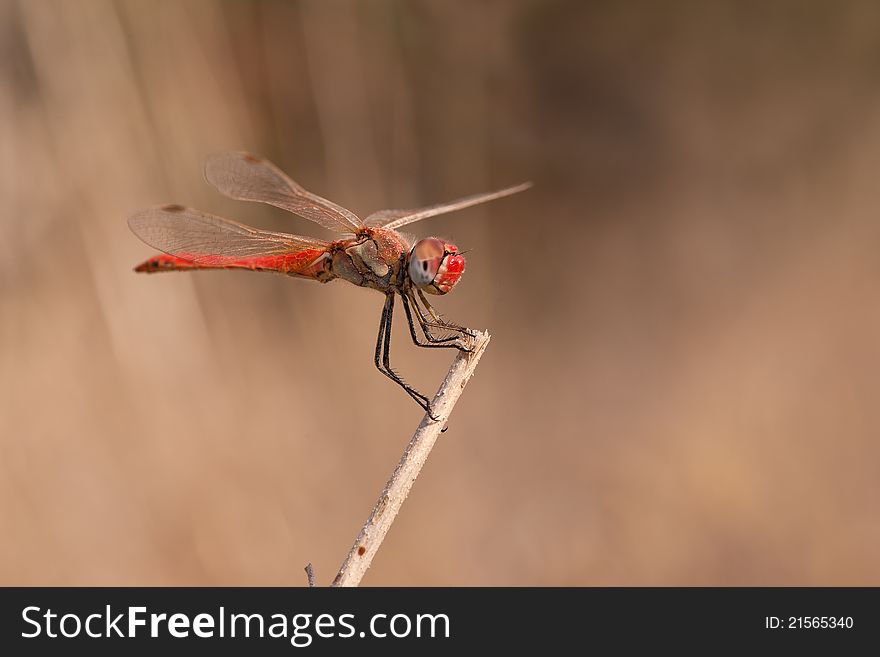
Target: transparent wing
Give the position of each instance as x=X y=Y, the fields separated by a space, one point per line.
x=397 y=218
x=206 y=239
x=246 y=177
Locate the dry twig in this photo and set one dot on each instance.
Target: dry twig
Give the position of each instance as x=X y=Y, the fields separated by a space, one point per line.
x=385 y=511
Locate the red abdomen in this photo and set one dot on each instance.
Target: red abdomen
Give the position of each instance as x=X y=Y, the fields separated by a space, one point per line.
x=308 y=263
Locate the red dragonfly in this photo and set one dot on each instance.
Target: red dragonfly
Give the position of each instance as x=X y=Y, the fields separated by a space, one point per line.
x=370 y=253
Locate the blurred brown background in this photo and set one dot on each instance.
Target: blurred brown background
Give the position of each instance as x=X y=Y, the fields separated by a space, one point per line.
x=683 y=380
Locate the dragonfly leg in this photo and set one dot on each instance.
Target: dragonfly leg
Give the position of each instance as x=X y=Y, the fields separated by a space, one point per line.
x=462 y=341
x=383 y=357
x=439 y=321
x=434 y=342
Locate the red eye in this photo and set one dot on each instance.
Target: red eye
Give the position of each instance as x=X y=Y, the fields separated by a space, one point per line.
x=424 y=261
x=435 y=266
x=449 y=273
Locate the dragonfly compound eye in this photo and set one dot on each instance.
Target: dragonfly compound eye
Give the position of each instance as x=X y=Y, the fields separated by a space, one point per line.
x=435 y=266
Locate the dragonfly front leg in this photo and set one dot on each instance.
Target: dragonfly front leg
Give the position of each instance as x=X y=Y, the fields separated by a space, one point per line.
x=462 y=341
x=439 y=322
x=383 y=356
x=432 y=341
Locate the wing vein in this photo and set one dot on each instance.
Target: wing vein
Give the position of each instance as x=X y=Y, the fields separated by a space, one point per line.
x=201 y=237
x=246 y=177
x=396 y=218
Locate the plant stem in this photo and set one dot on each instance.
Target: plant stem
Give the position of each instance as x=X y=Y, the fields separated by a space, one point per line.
x=414 y=457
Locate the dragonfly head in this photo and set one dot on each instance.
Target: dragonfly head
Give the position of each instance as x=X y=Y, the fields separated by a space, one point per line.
x=435 y=266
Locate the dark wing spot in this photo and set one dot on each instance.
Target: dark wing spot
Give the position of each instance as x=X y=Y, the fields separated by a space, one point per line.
x=173 y=207
x=253 y=159
x=425 y=265
x=361 y=551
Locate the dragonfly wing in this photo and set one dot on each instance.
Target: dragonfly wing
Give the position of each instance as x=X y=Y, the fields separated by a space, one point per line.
x=397 y=218
x=207 y=239
x=246 y=177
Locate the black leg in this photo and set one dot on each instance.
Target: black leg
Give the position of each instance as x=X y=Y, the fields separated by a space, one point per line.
x=432 y=341
x=439 y=322
x=383 y=356
x=460 y=341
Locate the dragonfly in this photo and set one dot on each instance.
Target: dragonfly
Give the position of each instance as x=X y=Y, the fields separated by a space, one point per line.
x=369 y=253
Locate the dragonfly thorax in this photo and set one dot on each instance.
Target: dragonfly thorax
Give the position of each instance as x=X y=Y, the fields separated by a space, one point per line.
x=372 y=259
x=435 y=266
